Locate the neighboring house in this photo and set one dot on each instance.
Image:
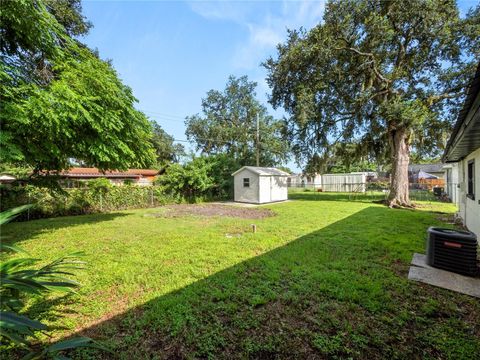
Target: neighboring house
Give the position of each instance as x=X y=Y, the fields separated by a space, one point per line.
x=452 y=186
x=463 y=148
x=369 y=175
x=416 y=171
x=141 y=177
x=260 y=185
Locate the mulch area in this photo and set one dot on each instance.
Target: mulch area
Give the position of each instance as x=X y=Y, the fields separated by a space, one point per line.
x=211 y=210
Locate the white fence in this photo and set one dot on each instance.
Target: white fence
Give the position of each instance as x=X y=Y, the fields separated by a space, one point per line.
x=351 y=182
x=344 y=182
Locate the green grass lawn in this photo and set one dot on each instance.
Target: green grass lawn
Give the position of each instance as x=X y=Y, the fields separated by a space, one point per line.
x=324 y=278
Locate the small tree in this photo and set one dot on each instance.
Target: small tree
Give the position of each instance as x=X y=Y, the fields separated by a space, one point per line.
x=203 y=176
x=188 y=181
x=383 y=75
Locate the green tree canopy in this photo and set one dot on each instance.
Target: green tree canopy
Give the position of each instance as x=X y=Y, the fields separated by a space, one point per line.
x=59 y=100
x=69 y=14
x=384 y=75
x=228 y=125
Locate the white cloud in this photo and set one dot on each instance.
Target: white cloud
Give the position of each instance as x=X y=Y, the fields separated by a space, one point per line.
x=221 y=10
x=264 y=31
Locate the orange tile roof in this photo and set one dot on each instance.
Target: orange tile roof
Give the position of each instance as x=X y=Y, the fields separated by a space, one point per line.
x=94 y=172
x=144 y=172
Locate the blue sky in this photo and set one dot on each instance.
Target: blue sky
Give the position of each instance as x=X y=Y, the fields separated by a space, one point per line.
x=171 y=53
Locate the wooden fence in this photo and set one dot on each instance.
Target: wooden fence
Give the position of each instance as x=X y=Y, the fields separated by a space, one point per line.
x=429 y=184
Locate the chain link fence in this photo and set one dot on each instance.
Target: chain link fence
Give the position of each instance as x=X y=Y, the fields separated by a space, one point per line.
x=379 y=190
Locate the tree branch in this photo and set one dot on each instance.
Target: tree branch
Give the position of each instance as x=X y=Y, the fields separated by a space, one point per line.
x=374 y=62
x=431 y=100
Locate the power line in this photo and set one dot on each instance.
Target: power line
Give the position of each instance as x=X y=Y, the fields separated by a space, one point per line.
x=164 y=114
x=176 y=118
x=225 y=142
x=203 y=139
x=163 y=117
x=156 y=118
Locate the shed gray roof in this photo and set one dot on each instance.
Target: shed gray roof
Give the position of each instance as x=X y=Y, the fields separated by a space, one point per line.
x=263 y=171
x=428 y=168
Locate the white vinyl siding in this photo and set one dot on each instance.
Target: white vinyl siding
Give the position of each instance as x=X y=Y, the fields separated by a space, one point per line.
x=469 y=209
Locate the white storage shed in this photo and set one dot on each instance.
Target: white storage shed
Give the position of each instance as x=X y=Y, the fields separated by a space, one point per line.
x=260 y=185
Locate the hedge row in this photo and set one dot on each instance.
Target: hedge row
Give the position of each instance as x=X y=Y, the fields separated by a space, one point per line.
x=49 y=203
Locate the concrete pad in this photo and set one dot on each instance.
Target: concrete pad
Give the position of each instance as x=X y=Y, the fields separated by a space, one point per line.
x=421 y=261
x=420 y=271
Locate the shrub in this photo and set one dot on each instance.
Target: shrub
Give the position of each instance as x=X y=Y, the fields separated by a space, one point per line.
x=202 y=178
x=378 y=185
x=98 y=196
x=99 y=185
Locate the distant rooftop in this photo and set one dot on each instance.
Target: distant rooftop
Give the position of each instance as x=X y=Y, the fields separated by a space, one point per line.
x=94 y=172
x=263 y=171
x=428 y=168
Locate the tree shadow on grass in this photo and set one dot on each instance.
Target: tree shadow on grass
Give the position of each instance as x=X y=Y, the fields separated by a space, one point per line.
x=337 y=292
x=19 y=231
x=367 y=197
x=327 y=196
x=52 y=309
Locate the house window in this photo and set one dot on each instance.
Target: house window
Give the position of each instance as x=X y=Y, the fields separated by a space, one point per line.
x=246 y=182
x=471 y=179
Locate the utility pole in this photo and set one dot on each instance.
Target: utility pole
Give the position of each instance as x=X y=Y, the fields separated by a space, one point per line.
x=258 y=141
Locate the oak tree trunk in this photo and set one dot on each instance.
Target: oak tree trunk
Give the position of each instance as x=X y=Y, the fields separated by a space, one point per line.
x=399 y=194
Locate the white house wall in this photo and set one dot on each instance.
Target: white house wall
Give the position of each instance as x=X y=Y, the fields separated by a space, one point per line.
x=469 y=210
x=250 y=194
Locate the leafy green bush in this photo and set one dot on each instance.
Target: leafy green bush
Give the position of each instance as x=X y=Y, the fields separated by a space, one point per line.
x=128 y=182
x=203 y=178
x=99 y=185
x=378 y=185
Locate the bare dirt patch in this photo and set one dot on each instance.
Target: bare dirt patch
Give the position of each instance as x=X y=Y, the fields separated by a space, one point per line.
x=211 y=210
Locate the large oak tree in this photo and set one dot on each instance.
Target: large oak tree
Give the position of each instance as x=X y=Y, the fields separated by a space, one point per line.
x=228 y=125
x=384 y=75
